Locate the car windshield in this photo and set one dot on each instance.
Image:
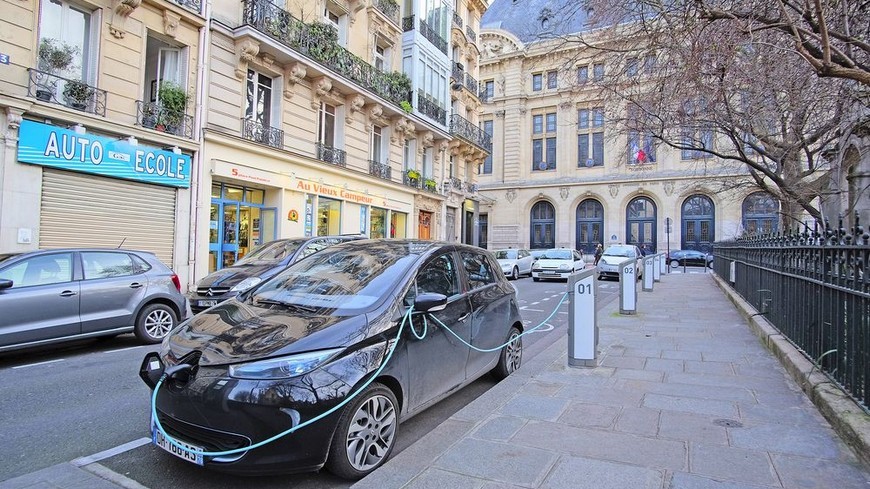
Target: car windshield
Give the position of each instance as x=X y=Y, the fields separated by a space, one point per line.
x=271 y=252
x=348 y=280
x=506 y=255
x=556 y=255
x=620 y=251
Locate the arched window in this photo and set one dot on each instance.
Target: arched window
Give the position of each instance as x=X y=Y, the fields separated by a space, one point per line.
x=699 y=223
x=640 y=217
x=590 y=225
x=760 y=214
x=543 y=228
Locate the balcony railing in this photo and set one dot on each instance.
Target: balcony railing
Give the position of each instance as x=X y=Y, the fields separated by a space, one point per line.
x=430 y=185
x=411 y=181
x=428 y=107
x=456 y=184
x=152 y=115
x=408 y=23
x=195 y=5
x=460 y=126
x=483 y=94
x=381 y=170
x=318 y=43
x=457 y=73
x=433 y=36
x=262 y=134
x=335 y=156
x=472 y=84
x=457 y=20
x=389 y=8
x=470 y=33
x=74 y=94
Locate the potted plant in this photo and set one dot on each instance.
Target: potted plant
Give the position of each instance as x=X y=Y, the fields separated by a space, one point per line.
x=77 y=94
x=413 y=174
x=430 y=184
x=172 y=99
x=406 y=106
x=54 y=57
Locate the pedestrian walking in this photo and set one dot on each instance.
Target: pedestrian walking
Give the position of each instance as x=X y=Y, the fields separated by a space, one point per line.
x=599 y=250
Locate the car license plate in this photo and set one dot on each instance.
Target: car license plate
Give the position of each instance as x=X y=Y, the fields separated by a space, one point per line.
x=206 y=303
x=184 y=453
x=548 y=272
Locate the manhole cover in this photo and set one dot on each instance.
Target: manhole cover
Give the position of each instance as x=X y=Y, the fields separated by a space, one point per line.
x=728 y=423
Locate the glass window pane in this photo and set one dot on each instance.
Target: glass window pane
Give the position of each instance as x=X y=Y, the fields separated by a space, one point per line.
x=215 y=191
x=106 y=264
x=537 y=124
x=254 y=196
x=583 y=118
x=551 y=122
x=233 y=193
x=40 y=270
x=583 y=150
x=551 y=153
x=598 y=148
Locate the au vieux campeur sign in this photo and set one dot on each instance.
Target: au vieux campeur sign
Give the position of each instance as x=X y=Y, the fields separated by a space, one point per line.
x=47 y=145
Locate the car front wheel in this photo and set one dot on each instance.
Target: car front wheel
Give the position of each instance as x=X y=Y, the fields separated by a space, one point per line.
x=366 y=433
x=511 y=356
x=675 y=264
x=154 y=322
x=515 y=273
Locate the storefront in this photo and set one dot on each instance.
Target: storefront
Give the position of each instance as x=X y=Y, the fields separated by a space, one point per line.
x=239 y=221
x=100 y=191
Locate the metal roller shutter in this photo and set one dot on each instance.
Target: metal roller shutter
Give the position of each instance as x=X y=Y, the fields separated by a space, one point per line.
x=80 y=210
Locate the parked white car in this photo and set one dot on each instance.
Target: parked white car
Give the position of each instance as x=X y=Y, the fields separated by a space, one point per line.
x=557 y=263
x=614 y=255
x=515 y=262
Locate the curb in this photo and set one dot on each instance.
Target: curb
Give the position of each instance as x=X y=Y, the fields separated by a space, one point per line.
x=850 y=422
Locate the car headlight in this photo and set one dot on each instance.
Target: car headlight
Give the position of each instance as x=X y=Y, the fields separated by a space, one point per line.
x=284 y=367
x=246 y=284
x=564 y=266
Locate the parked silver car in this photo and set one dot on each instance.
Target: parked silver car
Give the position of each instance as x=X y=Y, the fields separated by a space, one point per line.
x=51 y=296
x=515 y=262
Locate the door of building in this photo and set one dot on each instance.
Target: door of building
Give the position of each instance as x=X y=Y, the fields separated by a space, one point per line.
x=237 y=226
x=424 y=225
x=699 y=223
x=590 y=225
x=543 y=226
x=641 y=224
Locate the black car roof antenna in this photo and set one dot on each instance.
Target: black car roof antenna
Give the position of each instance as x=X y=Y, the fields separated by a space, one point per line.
x=122 y=242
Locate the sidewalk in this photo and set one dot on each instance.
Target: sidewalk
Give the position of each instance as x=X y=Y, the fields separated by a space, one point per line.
x=685 y=397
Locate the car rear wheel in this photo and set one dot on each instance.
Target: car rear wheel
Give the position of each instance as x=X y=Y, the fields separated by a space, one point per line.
x=154 y=322
x=675 y=264
x=536 y=279
x=515 y=273
x=511 y=356
x=366 y=433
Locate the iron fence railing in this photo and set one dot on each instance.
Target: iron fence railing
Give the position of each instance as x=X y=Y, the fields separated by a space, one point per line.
x=814 y=287
x=317 y=41
x=472 y=84
x=462 y=127
x=456 y=183
x=390 y=9
x=263 y=134
x=483 y=94
x=408 y=23
x=194 y=5
x=381 y=170
x=74 y=94
x=331 y=155
x=428 y=107
x=432 y=35
x=457 y=20
x=471 y=187
x=411 y=181
x=152 y=115
x=457 y=73
x=470 y=33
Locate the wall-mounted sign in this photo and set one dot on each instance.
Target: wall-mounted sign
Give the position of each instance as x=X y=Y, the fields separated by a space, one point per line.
x=47 y=145
x=4 y=59
x=340 y=193
x=293 y=215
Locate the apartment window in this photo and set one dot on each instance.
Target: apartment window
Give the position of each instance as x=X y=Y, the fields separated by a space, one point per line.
x=339 y=22
x=258 y=98
x=631 y=67
x=694 y=141
x=326 y=125
x=380 y=57
x=552 y=79
x=582 y=75
x=598 y=72
x=408 y=155
x=537 y=82
x=377 y=144
x=487 y=163
x=165 y=64
x=590 y=137
x=63 y=25
x=428 y=170
x=583 y=118
x=598 y=117
x=489 y=86
x=641 y=148
x=544 y=142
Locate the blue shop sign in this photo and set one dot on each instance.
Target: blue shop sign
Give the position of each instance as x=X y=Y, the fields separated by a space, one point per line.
x=47 y=145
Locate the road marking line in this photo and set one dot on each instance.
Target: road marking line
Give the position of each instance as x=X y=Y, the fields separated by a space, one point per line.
x=563 y=312
x=536 y=303
x=531 y=310
x=545 y=299
x=82 y=461
x=39 y=363
x=125 y=349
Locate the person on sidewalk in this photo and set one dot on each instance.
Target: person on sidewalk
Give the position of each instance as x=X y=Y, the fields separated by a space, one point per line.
x=599 y=250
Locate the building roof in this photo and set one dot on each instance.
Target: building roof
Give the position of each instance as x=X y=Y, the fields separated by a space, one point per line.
x=531 y=20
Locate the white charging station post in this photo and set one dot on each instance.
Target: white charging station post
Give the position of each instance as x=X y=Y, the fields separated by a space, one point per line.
x=663 y=263
x=649 y=266
x=658 y=266
x=582 y=324
x=628 y=286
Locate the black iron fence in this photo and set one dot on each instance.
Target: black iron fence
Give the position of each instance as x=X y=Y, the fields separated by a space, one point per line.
x=470 y=33
x=462 y=127
x=432 y=35
x=457 y=20
x=381 y=170
x=262 y=134
x=152 y=115
x=430 y=108
x=74 y=94
x=814 y=287
x=472 y=84
x=332 y=155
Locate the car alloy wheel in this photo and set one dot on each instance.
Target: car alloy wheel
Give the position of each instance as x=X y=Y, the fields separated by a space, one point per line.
x=515 y=274
x=511 y=357
x=154 y=322
x=675 y=263
x=366 y=433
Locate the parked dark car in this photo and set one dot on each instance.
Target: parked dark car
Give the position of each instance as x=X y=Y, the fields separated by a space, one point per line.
x=262 y=263
x=691 y=258
x=305 y=340
x=51 y=296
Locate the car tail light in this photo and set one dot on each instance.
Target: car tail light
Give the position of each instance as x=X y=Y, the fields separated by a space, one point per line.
x=176 y=282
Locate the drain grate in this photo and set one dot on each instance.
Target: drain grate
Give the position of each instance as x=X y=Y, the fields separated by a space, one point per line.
x=728 y=423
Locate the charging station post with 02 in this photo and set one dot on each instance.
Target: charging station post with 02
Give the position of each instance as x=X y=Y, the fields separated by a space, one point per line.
x=628 y=286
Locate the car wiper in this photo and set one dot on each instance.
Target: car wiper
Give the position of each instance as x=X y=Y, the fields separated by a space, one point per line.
x=291 y=305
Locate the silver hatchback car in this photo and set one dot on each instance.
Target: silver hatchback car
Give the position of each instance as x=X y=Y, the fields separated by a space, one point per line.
x=51 y=296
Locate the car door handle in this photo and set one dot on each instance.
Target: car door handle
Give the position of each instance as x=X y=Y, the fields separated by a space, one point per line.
x=135 y=285
x=464 y=317
x=67 y=293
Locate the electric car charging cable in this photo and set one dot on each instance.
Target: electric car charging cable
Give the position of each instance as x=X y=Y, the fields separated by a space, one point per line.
x=405 y=320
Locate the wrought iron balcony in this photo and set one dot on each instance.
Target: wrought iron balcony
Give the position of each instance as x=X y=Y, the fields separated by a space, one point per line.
x=152 y=115
x=456 y=184
x=457 y=20
x=461 y=127
x=415 y=182
x=472 y=84
x=470 y=33
x=381 y=170
x=194 y=5
x=389 y=8
x=458 y=73
x=483 y=94
x=430 y=185
x=337 y=157
x=318 y=42
x=262 y=134
x=74 y=94
x=408 y=23
x=432 y=35
x=430 y=108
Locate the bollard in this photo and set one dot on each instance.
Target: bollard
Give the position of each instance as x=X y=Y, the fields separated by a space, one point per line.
x=648 y=273
x=582 y=323
x=658 y=267
x=628 y=286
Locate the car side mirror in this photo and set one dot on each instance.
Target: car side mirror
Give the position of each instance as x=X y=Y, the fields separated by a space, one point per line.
x=5 y=283
x=430 y=302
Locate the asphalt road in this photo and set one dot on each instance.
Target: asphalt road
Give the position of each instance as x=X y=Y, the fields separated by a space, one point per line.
x=62 y=404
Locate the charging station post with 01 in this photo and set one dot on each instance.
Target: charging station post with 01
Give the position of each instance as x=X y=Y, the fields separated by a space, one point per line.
x=582 y=324
x=628 y=286
x=649 y=263
x=658 y=267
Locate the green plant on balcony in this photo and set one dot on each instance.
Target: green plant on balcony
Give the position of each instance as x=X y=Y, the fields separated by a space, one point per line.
x=77 y=94
x=406 y=106
x=323 y=41
x=173 y=102
x=54 y=57
x=429 y=184
x=413 y=175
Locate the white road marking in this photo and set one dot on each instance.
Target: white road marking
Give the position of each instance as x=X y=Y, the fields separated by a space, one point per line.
x=536 y=303
x=531 y=310
x=82 y=461
x=125 y=349
x=38 y=363
x=545 y=299
x=543 y=329
x=563 y=312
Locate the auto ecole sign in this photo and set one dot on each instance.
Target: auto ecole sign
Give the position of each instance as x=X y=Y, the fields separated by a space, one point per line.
x=47 y=145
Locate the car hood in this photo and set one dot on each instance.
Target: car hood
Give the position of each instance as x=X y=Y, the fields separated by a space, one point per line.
x=550 y=263
x=234 y=332
x=506 y=262
x=614 y=260
x=227 y=277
